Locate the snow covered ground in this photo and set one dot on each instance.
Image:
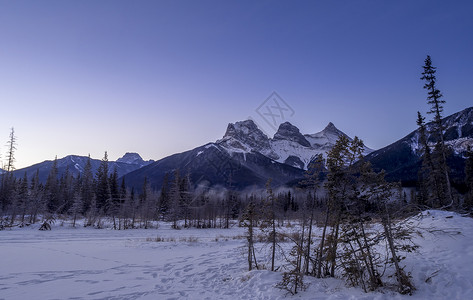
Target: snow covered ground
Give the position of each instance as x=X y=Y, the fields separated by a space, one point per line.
x=86 y=263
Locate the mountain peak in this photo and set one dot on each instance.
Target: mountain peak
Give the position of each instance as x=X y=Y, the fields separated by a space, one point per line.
x=245 y=134
x=330 y=127
x=131 y=158
x=241 y=127
x=287 y=131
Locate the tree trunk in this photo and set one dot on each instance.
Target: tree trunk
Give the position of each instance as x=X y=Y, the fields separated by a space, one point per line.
x=321 y=250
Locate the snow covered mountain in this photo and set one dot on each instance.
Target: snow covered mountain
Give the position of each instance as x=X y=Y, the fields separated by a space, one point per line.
x=212 y=165
x=288 y=145
x=75 y=165
x=244 y=157
x=132 y=158
x=401 y=159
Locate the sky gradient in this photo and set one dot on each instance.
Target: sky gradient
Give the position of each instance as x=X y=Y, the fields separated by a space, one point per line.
x=160 y=77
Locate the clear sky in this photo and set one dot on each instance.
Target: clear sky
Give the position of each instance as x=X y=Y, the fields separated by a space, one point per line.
x=160 y=77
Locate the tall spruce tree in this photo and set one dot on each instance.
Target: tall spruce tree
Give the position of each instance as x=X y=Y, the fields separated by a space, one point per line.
x=37 y=205
x=430 y=175
x=11 y=144
x=7 y=184
x=102 y=190
x=175 y=199
x=114 y=201
x=51 y=189
x=468 y=203
x=87 y=186
x=122 y=221
x=164 y=201
x=77 y=203
x=434 y=99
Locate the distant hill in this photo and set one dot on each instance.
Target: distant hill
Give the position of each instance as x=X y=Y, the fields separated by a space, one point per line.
x=76 y=164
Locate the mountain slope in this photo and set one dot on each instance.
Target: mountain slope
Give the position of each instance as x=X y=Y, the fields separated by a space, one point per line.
x=401 y=159
x=213 y=165
x=244 y=157
x=75 y=165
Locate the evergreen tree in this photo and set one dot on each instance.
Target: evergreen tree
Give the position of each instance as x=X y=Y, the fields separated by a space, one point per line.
x=434 y=99
x=145 y=204
x=66 y=191
x=7 y=187
x=51 y=189
x=78 y=203
x=175 y=199
x=123 y=206
x=87 y=186
x=164 y=201
x=37 y=206
x=133 y=206
x=185 y=190
x=114 y=196
x=15 y=200
x=430 y=191
x=342 y=190
x=102 y=189
x=11 y=144
x=468 y=203
x=23 y=198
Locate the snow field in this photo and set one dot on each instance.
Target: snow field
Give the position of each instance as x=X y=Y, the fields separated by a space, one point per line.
x=87 y=263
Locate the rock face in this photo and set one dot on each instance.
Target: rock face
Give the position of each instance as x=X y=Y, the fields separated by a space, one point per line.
x=133 y=158
x=288 y=145
x=289 y=132
x=245 y=136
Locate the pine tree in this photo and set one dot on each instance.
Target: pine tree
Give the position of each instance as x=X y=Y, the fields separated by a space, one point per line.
x=122 y=221
x=145 y=203
x=15 y=199
x=114 y=196
x=87 y=186
x=434 y=99
x=175 y=198
x=37 y=206
x=102 y=190
x=468 y=203
x=342 y=186
x=133 y=206
x=78 y=203
x=429 y=175
x=396 y=236
x=185 y=190
x=23 y=197
x=51 y=189
x=7 y=184
x=164 y=201
x=11 y=144
x=66 y=191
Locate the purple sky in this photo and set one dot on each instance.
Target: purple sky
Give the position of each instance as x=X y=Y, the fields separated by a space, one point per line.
x=159 y=77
